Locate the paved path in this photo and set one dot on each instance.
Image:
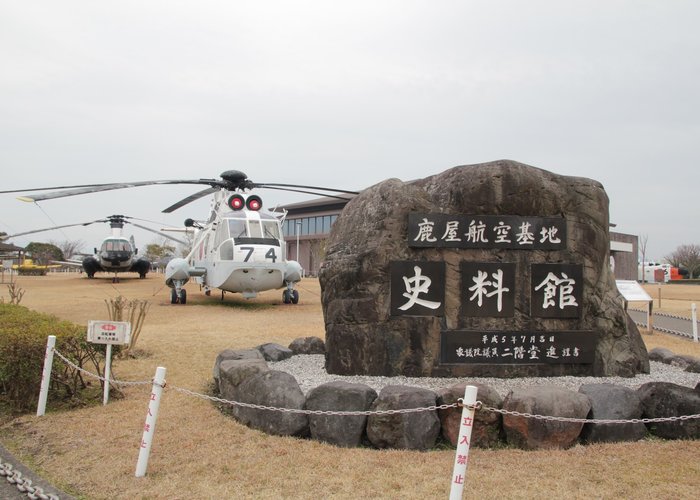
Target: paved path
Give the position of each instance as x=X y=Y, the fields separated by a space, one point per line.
x=10 y=491
x=665 y=322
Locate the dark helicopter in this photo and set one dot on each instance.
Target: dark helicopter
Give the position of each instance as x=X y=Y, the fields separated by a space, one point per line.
x=117 y=254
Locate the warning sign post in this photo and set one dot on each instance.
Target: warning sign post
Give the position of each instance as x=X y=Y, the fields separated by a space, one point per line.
x=109 y=333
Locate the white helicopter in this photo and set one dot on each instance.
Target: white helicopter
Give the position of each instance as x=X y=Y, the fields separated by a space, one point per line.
x=117 y=254
x=238 y=248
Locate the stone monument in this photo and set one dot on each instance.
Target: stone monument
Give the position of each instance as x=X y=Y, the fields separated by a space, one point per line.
x=497 y=269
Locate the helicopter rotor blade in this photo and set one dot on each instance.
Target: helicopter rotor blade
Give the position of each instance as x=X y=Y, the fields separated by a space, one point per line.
x=53 y=188
x=231 y=180
x=182 y=242
x=190 y=199
x=326 y=195
x=95 y=188
x=317 y=188
x=142 y=220
x=52 y=228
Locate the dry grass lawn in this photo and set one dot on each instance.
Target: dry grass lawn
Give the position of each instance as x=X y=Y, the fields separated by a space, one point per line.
x=200 y=453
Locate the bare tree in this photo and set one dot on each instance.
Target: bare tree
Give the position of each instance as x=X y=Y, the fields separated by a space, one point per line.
x=317 y=249
x=69 y=248
x=687 y=256
x=643 y=239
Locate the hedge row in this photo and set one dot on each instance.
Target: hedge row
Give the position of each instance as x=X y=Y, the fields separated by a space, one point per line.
x=23 y=335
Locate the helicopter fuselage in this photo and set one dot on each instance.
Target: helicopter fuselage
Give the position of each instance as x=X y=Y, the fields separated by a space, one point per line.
x=240 y=250
x=116 y=254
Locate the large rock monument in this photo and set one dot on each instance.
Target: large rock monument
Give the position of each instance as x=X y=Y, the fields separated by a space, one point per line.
x=497 y=269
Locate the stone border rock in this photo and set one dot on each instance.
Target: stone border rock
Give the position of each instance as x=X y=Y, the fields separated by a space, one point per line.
x=688 y=363
x=244 y=376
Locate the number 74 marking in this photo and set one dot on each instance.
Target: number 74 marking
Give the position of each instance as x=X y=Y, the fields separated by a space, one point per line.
x=269 y=255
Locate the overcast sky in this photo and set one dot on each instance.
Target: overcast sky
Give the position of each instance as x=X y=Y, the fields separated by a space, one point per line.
x=346 y=94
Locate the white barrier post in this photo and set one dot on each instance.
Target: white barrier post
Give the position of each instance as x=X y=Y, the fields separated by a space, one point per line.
x=149 y=428
x=694 y=316
x=459 y=471
x=46 y=376
x=108 y=373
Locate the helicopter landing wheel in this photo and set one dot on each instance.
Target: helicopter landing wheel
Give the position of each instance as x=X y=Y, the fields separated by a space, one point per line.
x=286 y=297
x=173 y=296
x=183 y=296
x=295 y=297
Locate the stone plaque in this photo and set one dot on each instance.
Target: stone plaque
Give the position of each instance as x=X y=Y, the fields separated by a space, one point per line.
x=417 y=288
x=488 y=289
x=486 y=231
x=556 y=290
x=478 y=347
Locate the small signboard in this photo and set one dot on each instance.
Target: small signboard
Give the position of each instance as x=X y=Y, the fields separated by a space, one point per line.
x=109 y=332
x=632 y=291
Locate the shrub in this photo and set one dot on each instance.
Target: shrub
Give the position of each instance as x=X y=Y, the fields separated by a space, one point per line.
x=133 y=311
x=23 y=336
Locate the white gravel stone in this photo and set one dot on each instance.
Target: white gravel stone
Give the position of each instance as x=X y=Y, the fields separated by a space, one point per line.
x=309 y=371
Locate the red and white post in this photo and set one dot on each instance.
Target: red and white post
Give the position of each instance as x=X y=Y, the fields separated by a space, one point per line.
x=46 y=376
x=459 y=472
x=149 y=427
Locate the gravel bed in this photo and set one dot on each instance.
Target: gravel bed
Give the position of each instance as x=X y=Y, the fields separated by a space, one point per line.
x=309 y=371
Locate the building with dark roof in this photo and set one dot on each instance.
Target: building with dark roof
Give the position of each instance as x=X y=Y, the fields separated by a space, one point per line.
x=305 y=230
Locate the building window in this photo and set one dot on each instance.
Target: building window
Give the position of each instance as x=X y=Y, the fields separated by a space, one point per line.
x=309 y=225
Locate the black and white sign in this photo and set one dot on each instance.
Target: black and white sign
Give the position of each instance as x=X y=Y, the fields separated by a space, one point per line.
x=488 y=289
x=476 y=347
x=556 y=290
x=486 y=231
x=417 y=288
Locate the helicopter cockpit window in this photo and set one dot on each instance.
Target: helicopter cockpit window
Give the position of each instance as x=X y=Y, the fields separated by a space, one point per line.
x=271 y=229
x=226 y=250
x=255 y=231
x=237 y=228
x=116 y=246
x=220 y=235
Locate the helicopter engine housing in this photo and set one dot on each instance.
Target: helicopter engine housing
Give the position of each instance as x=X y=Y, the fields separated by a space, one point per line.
x=177 y=272
x=292 y=272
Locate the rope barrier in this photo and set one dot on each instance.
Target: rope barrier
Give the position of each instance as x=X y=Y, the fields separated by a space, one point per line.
x=159 y=384
x=478 y=406
x=344 y=413
x=98 y=377
x=590 y=420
